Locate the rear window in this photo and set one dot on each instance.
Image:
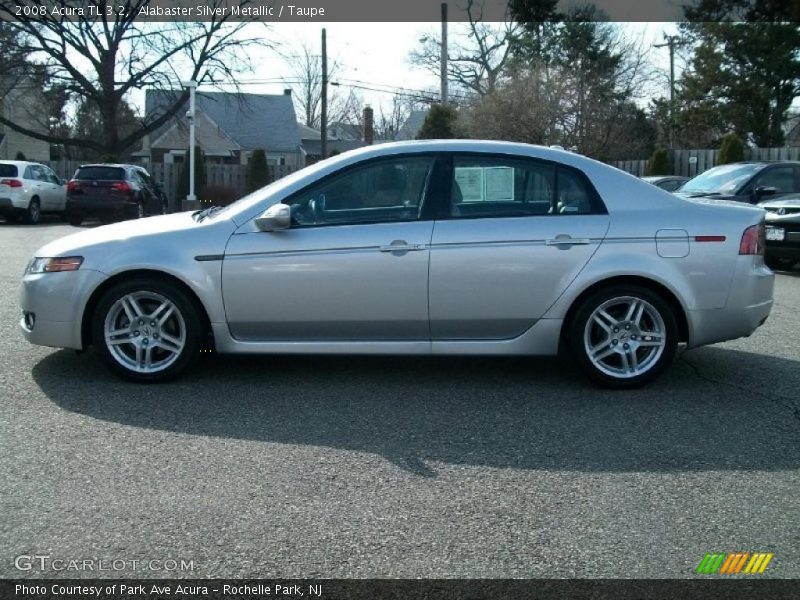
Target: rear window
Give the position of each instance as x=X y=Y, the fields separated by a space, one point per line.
x=8 y=170
x=100 y=173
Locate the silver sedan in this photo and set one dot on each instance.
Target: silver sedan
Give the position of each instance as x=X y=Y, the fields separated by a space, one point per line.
x=442 y=247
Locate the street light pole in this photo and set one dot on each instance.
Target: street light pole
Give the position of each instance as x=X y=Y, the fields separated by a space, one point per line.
x=443 y=65
x=191 y=198
x=323 y=118
x=672 y=41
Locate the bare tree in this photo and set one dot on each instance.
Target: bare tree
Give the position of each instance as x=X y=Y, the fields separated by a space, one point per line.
x=305 y=65
x=478 y=54
x=101 y=59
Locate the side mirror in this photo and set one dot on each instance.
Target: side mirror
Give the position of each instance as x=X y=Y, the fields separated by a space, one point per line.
x=275 y=218
x=764 y=190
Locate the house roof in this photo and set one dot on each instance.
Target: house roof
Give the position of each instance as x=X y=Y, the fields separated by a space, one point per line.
x=412 y=125
x=209 y=136
x=308 y=133
x=252 y=121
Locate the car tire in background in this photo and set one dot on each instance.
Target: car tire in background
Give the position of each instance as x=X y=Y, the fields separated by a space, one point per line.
x=75 y=220
x=147 y=330
x=623 y=336
x=33 y=214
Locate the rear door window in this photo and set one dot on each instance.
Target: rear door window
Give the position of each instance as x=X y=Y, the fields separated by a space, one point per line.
x=100 y=173
x=8 y=171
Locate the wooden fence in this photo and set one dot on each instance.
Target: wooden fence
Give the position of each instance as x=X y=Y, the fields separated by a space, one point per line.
x=228 y=181
x=705 y=159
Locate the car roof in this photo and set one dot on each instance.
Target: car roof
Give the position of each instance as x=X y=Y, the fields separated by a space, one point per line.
x=116 y=165
x=20 y=163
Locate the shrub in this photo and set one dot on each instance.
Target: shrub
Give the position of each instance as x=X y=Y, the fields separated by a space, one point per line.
x=659 y=163
x=257 y=171
x=732 y=150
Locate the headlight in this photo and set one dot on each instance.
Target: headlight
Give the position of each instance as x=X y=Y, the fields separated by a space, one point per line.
x=52 y=265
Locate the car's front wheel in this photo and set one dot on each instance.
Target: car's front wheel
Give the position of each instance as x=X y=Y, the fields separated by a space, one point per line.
x=147 y=330
x=623 y=336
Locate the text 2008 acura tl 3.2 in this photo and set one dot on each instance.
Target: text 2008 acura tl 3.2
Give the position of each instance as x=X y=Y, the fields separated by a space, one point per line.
x=440 y=247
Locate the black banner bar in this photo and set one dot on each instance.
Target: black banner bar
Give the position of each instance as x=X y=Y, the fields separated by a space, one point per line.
x=403 y=589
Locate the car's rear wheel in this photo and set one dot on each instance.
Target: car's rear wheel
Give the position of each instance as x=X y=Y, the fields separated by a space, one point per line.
x=140 y=210
x=75 y=220
x=623 y=336
x=33 y=214
x=147 y=330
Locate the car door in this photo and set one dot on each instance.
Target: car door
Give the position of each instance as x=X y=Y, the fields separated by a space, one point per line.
x=783 y=178
x=152 y=203
x=353 y=266
x=57 y=191
x=39 y=185
x=514 y=234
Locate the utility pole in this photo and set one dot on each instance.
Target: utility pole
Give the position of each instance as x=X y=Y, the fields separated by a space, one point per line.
x=672 y=42
x=191 y=198
x=443 y=66
x=323 y=126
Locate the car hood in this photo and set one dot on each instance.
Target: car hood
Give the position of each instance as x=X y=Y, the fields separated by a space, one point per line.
x=136 y=231
x=774 y=205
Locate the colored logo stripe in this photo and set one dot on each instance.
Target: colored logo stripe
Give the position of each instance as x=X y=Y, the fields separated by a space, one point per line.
x=733 y=562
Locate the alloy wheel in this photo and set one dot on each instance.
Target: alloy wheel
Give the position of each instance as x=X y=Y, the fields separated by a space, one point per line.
x=624 y=337
x=145 y=332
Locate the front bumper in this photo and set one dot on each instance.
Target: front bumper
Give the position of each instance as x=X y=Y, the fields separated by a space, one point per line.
x=56 y=302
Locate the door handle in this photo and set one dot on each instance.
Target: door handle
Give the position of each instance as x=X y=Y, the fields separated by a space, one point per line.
x=402 y=246
x=567 y=241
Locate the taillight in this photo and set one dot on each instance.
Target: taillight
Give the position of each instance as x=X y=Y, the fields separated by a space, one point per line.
x=121 y=186
x=73 y=186
x=753 y=240
x=14 y=183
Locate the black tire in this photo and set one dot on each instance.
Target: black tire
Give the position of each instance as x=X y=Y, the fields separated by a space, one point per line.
x=106 y=219
x=164 y=208
x=33 y=214
x=140 y=211
x=75 y=220
x=779 y=262
x=582 y=334
x=108 y=307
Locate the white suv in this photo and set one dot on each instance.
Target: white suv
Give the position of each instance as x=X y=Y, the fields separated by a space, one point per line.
x=28 y=189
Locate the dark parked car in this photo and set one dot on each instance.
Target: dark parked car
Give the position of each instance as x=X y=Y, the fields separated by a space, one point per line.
x=113 y=193
x=783 y=231
x=669 y=183
x=749 y=182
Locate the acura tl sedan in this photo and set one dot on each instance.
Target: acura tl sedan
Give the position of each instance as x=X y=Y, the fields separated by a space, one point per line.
x=437 y=247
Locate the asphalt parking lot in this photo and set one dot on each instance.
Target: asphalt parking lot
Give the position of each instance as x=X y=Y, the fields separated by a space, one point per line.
x=398 y=467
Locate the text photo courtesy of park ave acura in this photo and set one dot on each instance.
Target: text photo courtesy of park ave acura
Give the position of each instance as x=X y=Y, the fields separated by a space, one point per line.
x=475 y=299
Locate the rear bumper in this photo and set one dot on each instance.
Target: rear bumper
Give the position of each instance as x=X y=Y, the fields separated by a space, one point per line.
x=749 y=304
x=11 y=205
x=100 y=207
x=791 y=250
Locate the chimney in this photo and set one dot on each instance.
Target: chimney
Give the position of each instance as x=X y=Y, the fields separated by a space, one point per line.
x=369 y=133
x=287 y=92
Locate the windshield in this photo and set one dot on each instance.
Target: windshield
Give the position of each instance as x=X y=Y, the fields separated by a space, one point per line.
x=100 y=173
x=724 y=179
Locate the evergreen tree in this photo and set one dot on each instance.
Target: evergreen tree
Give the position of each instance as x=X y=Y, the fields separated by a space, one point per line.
x=732 y=150
x=257 y=171
x=440 y=123
x=659 y=163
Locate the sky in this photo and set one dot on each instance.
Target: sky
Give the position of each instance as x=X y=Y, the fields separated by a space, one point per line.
x=376 y=54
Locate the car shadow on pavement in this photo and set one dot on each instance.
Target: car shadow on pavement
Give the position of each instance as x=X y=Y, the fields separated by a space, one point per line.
x=713 y=410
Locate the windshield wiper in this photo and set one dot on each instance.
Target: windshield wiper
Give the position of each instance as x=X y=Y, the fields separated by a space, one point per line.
x=202 y=214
